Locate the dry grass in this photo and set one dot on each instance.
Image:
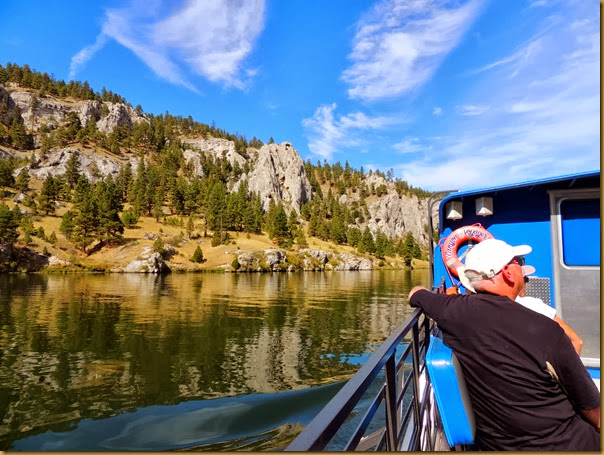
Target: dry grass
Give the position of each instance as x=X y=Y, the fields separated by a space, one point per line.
x=173 y=234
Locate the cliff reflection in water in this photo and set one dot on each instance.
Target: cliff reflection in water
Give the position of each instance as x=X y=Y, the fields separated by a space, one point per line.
x=89 y=347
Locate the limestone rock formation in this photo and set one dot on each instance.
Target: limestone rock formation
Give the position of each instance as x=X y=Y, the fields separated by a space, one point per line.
x=279 y=174
x=395 y=215
x=150 y=262
x=93 y=166
x=217 y=147
x=307 y=260
x=119 y=115
x=45 y=110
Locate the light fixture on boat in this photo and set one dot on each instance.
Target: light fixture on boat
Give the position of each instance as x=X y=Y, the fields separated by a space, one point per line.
x=484 y=206
x=454 y=211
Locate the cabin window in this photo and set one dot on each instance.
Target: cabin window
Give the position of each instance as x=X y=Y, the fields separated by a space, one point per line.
x=580 y=232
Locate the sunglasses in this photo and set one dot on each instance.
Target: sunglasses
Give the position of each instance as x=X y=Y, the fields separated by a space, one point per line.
x=518 y=260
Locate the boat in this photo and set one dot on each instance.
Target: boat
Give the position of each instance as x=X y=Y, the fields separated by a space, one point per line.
x=410 y=394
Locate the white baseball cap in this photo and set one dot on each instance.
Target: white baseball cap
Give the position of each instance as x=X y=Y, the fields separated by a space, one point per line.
x=487 y=258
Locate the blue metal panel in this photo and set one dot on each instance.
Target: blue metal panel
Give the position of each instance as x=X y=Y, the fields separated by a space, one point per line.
x=450 y=393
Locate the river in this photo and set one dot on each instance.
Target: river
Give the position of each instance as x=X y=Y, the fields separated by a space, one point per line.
x=184 y=361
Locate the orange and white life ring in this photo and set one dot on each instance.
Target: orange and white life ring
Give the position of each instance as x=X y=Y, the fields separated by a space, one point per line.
x=450 y=246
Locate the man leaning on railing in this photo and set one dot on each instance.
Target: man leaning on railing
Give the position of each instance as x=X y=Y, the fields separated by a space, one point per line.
x=528 y=387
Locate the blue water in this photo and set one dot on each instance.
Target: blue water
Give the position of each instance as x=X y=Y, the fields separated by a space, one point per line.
x=196 y=424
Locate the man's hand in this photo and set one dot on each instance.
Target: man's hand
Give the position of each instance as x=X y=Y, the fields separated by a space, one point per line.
x=415 y=289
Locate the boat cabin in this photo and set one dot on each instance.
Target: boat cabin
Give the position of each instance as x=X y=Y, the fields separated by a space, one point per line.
x=560 y=219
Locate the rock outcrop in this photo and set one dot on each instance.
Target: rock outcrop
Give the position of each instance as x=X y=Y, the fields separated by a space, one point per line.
x=216 y=147
x=395 y=215
x=308 y=260
x=278 y=173
x=93 y=166
x=150 y=262
x=44 y=110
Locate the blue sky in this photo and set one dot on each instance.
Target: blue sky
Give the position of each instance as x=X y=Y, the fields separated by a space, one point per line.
x=449 y=94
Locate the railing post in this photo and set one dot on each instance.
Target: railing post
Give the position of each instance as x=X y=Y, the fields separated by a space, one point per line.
x=416 y=392
x=391 y=415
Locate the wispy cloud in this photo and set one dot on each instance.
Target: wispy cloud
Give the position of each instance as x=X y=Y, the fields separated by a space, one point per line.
x=328 y=134
x=437 y=111
x=82 y=57
x=547 y=116
x=210 y=39
x=409 y=146
x=470 y=109
x=400 y=43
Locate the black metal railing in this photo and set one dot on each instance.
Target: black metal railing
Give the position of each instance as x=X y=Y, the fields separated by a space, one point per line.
x=389 y=398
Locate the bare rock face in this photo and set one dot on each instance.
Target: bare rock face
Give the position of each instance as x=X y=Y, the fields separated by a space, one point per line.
x=45 y=110
x=352 y=262
x=150 y=262
x=192 y=159
x=93 y=166
x=8 y=108
x=217 y=147
x=395 y=215
x=277 y=171
x=119 y=115
x=279 y=174
x=42 y=110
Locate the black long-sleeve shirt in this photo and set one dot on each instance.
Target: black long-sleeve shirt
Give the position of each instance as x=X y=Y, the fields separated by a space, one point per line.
x=503 y=349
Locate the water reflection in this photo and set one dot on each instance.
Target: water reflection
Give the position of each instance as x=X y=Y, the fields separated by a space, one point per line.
x=96 y=346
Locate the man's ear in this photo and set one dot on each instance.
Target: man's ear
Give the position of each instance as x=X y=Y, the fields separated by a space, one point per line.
x=507 y=274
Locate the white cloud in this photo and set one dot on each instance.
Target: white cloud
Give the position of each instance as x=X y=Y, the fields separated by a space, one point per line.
x=82 y=57
x=400 y=43
x=437 y=111
x=547 y=116
x=209 y=38
x=410 y=146
x=328 y=134
x=470 y=109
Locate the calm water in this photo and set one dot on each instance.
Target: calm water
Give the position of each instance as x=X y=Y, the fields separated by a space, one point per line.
x=184 y=361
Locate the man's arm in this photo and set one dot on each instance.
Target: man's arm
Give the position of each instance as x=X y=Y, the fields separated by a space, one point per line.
x=576 y=381
x=415 y=289
x=593 y=417
x=574 y=338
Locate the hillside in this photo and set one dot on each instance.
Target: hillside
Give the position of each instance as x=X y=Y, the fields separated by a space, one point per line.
x=94 y=183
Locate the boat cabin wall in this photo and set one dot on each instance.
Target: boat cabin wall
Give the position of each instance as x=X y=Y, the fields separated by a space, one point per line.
x=521 y=214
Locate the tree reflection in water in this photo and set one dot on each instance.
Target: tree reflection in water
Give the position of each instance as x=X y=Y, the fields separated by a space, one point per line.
x=76 y=347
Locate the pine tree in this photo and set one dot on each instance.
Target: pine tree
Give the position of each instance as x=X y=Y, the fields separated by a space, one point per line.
x=7 y=166
x=337 y=229
x=72 y=170
x=48 y=195
x=410 y=247
x=366 y=244
x=353 y=236
x=8 y=225
x=109 y=202
x=383 y=245
x=22 y=182
x=67 y=224
x=18 y=135
x=197 y=255
x=281 y=232
x=190 y=226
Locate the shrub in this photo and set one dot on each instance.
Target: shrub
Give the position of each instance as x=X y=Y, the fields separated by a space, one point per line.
x=129 y=218
x=158 y=246
x=197 y=255
x=235 y=264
